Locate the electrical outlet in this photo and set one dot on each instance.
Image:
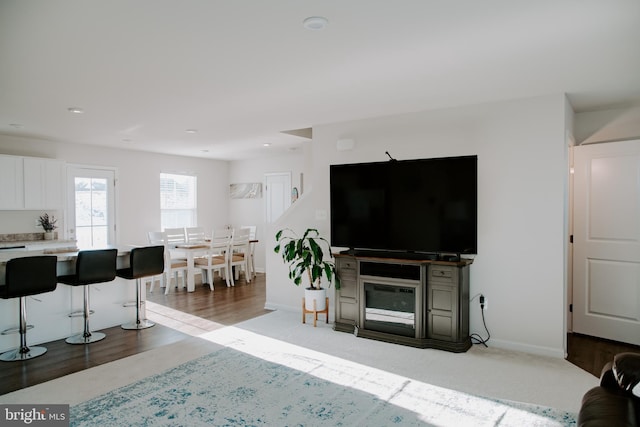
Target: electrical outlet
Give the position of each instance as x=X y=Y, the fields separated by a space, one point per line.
x=37 y=223
x=484 y=302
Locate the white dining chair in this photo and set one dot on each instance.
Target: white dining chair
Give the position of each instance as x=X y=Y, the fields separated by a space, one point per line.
x=175 y=236
x=240 y=255
x=172 y=266
x=195 y=235
x=218 y=257
x=252 y=247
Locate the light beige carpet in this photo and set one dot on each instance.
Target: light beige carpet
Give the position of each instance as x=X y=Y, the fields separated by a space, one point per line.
x=489 y=372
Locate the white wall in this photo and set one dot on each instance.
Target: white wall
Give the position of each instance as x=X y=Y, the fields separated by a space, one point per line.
x=137 y=194
x=522 y=181
x=282 y=294
x=521 y=146
x=613 y=124
x=522 y=197
x=252 y=211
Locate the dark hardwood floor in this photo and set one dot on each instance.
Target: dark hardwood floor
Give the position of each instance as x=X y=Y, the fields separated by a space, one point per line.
x=591 y=354
x=224 y=306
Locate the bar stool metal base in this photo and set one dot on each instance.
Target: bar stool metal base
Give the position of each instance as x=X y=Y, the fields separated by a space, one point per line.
x=139 y=323
x=82 y=339
x=142 y=324
x=87 y=337
x=19 y=354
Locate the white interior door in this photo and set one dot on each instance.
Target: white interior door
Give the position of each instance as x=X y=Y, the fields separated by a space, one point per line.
x=277 y=194
x=91 y=206
x=606 y=287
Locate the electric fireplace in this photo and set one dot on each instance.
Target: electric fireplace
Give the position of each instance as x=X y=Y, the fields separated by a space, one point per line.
x=392 y=305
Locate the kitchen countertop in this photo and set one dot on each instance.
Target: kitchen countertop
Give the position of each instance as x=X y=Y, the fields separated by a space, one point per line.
x=24 y=243
x=63 y=254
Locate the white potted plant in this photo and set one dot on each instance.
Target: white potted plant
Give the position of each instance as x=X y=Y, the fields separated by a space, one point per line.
x=48 y=223
x=305 y=257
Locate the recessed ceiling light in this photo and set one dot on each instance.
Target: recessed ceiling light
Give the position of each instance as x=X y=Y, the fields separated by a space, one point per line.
x=126 y=140
x=75 y=110
x=315 y=23
x=191 y=130
x=266 y=144
x=205 y=151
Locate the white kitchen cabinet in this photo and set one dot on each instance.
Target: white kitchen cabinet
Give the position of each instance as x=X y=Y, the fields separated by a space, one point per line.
x=11 y=183
x=42 y=183
x=31 y=183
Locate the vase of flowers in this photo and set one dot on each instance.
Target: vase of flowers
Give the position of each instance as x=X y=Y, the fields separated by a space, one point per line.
x=48 y=224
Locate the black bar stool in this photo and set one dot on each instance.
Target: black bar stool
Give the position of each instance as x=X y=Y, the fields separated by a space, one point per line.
x=27 y=276
x=143 y=262
x=94 y=266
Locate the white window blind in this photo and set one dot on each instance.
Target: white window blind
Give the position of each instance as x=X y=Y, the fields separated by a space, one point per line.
x=178 y=201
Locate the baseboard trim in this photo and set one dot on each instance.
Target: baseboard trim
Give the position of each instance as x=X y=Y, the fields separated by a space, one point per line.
x=557 y=353
x=271 y=306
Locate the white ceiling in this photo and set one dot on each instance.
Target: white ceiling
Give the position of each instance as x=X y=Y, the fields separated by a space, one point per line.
x=243 y=71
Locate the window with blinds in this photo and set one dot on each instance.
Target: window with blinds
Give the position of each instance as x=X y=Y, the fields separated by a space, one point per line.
x=178 y=201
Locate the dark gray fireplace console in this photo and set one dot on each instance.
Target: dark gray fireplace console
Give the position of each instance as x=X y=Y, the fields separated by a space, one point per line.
x=420 y=303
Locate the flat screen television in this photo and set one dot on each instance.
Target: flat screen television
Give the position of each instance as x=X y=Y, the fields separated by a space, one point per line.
x=424 y=206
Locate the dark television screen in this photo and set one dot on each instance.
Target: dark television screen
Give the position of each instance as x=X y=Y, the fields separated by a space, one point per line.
x=426 y=205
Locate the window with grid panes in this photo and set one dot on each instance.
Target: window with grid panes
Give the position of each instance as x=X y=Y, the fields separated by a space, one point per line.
x=178 y=206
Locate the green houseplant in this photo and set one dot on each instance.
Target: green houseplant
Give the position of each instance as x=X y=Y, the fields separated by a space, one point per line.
x=305 y=257
x=48 y=224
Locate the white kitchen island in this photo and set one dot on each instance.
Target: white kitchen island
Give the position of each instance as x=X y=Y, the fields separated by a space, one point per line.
x=49 y=312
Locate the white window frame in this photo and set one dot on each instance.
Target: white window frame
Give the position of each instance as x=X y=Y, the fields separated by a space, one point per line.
x=178 y=210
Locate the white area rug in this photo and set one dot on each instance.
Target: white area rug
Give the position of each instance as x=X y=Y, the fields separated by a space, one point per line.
x=294 y=386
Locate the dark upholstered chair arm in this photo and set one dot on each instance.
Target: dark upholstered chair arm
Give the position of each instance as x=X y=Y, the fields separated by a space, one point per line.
x=612 y=403
x=626 y=368
x=607 y=378
x=603 y=408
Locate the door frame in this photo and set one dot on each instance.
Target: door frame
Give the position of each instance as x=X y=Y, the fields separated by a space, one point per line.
x=569 y=303
x=574 y=247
